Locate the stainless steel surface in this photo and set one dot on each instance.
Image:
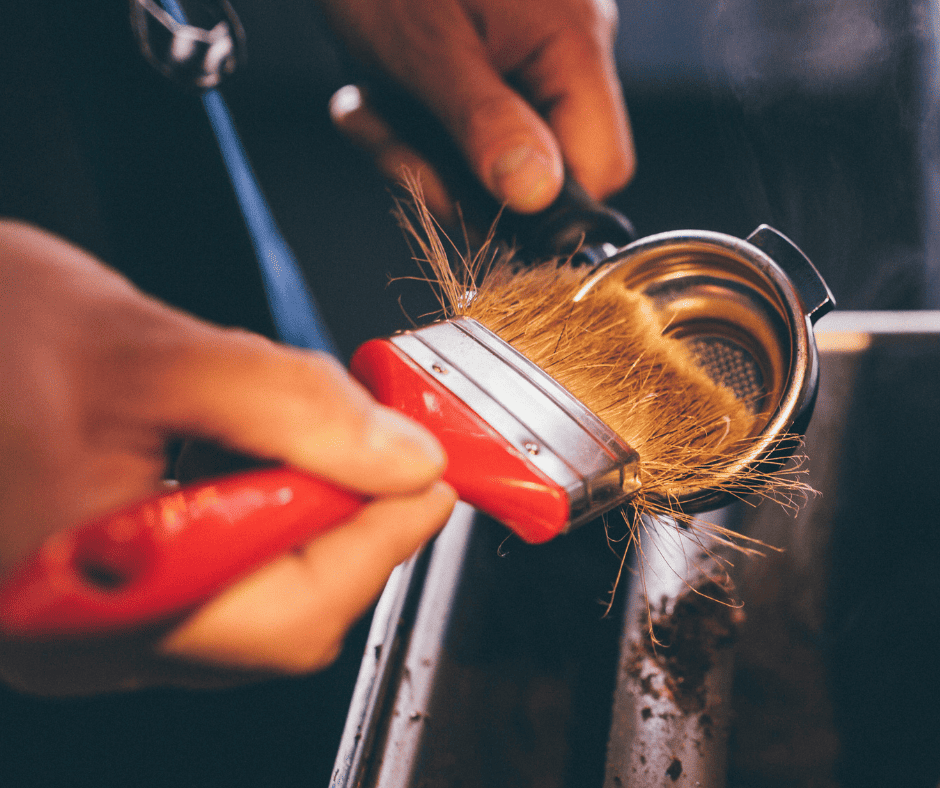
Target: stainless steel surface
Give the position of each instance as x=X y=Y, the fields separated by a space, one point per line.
x=411 y=704
x=773 y=690
x=672 y=708
x=401 y=618
x=504 y=668
x=835 y=666
x=557 y=434
x=801 y=689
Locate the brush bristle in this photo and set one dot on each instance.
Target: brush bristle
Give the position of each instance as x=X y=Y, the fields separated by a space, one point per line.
x=610 y=351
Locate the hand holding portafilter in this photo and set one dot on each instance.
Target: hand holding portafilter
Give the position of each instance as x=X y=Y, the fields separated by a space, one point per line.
x=82 y=559
x=526 y=90
x=98 y=377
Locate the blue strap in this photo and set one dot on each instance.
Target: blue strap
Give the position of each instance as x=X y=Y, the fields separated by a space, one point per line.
x=296 y=316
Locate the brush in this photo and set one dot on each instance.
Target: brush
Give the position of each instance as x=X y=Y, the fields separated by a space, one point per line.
x=558 y=393
x=649 y=343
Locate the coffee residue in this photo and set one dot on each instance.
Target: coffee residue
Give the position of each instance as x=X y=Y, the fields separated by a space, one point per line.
x=686 y=640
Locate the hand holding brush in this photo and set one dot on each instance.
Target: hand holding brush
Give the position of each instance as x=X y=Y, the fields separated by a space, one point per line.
x=97 y=376
x=529 y=451
x=201 y=61
x=633 y=418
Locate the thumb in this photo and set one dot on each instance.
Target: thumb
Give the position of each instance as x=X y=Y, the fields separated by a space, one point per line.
x=508 y=145
x=516 y=152
x=510 y=148
x=298 y=407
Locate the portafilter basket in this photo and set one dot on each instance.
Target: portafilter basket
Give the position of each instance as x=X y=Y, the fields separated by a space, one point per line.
x=745 y=309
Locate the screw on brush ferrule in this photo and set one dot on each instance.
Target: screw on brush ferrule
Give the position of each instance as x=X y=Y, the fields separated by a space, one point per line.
x=555 y=432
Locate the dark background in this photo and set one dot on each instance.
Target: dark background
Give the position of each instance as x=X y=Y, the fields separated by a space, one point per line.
x=816 y=117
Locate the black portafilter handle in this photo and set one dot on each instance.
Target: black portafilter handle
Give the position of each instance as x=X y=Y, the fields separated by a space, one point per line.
x=574 y=226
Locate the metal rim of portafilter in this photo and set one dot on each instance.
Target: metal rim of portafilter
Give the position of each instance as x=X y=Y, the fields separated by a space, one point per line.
x=745 y=309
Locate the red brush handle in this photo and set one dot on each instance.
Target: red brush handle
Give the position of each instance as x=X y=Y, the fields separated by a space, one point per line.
x=483 y=467
x=164 y=556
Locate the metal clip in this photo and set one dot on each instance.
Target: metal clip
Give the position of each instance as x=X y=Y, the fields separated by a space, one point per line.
x=198 y=57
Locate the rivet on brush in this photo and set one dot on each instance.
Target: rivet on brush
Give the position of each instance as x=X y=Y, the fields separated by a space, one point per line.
x=532 y=448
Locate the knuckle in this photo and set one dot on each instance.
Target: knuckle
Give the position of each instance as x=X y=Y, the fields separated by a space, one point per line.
x=599 y=18
x=587 y=45
x=592 y=29
x=607 y=14
x=140 y=361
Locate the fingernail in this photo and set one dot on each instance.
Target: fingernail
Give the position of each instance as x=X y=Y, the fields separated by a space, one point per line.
x=405 y=442
x=526 y=178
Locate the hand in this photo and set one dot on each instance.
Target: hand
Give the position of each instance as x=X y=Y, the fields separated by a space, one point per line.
x=525 y=88
x=96 y=378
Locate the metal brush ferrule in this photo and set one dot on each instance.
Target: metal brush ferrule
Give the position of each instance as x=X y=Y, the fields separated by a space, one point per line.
x=540 y=418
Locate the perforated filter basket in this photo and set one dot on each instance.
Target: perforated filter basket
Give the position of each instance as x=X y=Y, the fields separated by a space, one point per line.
x=745 y=308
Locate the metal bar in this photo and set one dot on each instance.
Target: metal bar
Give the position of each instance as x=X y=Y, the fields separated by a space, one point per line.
x=672 y=702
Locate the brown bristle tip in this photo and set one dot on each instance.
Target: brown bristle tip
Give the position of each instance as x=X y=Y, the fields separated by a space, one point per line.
x=611 y=351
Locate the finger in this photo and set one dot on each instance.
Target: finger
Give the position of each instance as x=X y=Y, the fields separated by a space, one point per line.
x=155 y=371
x=574 y=78
x=352 y=114
x=509 y=147
x=291 y=616
x=439 y=57
x=275 y=402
